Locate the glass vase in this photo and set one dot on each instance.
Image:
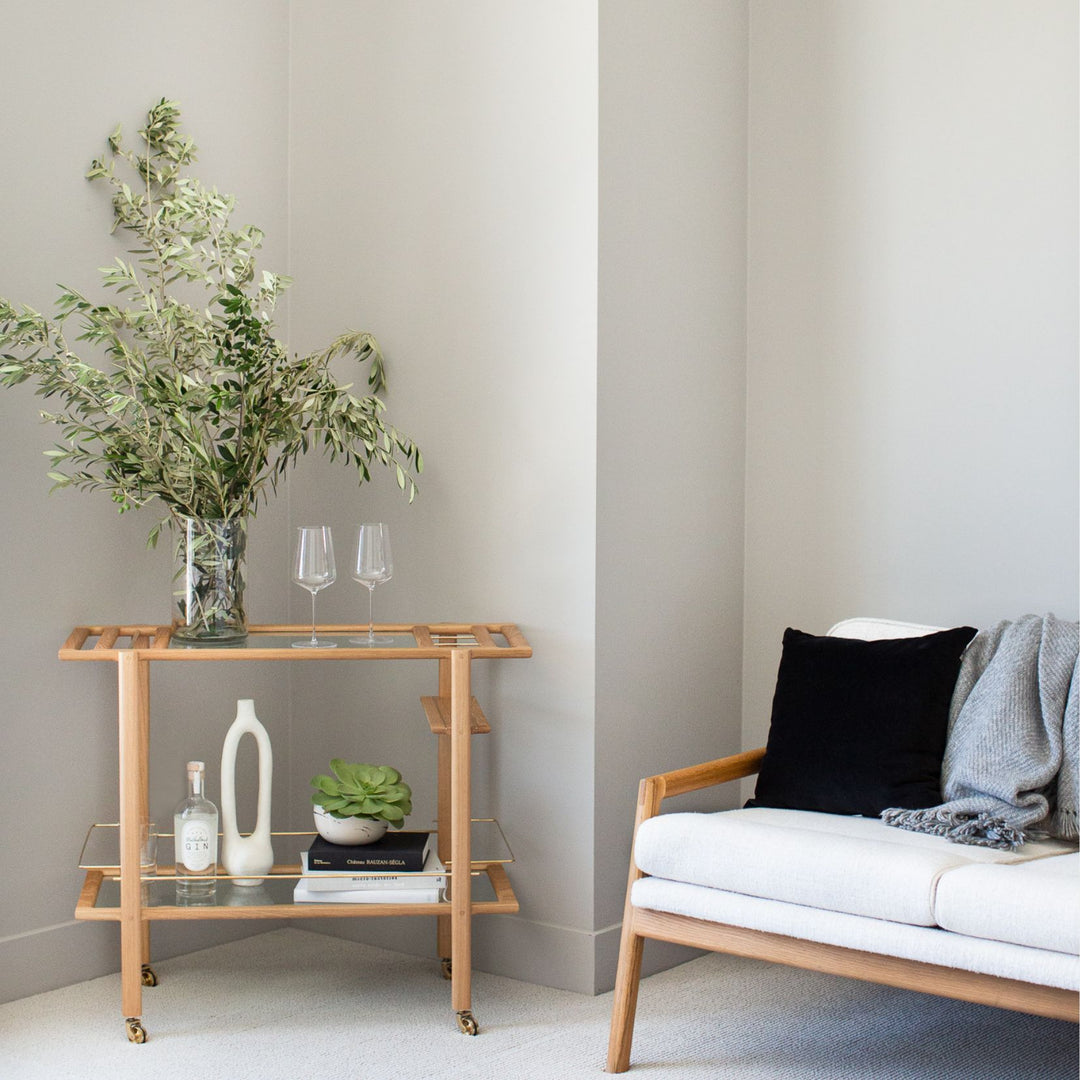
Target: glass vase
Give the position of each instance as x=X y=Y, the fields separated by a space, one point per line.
x=208 y=586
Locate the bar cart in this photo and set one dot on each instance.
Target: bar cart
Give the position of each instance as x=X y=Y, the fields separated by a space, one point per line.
x=124 y=890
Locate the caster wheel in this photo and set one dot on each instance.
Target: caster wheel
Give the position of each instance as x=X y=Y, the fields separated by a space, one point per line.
x=149 y=976
x=447 y=966
x=467 y=1022
x=136 y=1033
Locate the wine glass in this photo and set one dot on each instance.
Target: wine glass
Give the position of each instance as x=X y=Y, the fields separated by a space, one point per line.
x=313 y=569
x=373 y=565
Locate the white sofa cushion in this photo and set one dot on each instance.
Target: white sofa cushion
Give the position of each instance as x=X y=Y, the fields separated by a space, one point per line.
x=929 y=944
x=851 y=864
x=1035 y=904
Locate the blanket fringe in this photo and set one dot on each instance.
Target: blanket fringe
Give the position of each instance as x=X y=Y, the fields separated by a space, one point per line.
x=981 y=830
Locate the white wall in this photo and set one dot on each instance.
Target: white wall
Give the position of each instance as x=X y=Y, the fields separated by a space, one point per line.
x=69 y=74
x=671 y=424
x=431 y=173
x=443 y=196
x=912 y=403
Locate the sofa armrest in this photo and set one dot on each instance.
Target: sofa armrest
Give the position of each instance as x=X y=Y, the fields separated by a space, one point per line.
x=654 y=789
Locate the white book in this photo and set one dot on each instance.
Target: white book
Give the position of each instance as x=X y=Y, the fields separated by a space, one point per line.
x=433 y=877
x=303 y=895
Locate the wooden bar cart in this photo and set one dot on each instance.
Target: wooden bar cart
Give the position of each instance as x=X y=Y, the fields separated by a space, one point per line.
x=124 y=890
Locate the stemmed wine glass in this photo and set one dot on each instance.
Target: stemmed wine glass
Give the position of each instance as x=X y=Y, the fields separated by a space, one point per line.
x=313 y=569
x=373 y=565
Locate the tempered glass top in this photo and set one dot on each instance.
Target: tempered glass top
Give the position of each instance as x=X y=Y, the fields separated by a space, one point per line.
x=401 y=641
x=341 y=639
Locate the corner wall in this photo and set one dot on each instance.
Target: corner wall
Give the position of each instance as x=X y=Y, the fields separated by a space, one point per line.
x=671 y=423
x=443 y=195
x=912 y=398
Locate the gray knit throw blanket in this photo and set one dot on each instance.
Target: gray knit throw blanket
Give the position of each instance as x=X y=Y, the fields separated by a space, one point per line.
x=1011 y=771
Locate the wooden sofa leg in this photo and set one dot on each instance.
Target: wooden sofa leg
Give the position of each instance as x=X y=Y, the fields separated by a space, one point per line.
x=624 y=1006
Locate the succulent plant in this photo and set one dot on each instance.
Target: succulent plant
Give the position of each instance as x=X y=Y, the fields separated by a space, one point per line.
x=366 y=791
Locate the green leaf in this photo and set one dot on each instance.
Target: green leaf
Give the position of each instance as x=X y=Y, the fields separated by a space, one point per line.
x=156 y=421
x=326 y=783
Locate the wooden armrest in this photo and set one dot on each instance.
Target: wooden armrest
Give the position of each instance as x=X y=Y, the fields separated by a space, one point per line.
x=654 y=789
x=720 y=771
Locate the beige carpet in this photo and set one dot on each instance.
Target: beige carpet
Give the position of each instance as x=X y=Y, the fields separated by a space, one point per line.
x=290 y=1004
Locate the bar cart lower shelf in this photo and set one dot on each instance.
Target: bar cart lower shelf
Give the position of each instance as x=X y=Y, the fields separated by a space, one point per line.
x=125 y=891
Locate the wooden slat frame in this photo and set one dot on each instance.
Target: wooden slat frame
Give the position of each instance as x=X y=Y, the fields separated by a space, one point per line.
x=895 y=971
x=437 y=710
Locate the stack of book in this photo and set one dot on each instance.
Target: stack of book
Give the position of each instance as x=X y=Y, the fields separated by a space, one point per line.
x=383 y=872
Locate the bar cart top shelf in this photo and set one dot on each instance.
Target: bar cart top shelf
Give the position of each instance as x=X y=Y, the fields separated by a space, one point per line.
x=412 y=641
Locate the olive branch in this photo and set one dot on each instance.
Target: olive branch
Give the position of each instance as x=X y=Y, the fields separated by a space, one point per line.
x=197 y=403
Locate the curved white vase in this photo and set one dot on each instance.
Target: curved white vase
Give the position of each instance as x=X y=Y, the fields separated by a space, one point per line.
x=252 y=854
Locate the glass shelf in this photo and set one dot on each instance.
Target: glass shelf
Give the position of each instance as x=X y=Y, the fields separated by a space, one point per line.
x=274 y=642
x=101 y=851
x=275 y=891
x=269 y=640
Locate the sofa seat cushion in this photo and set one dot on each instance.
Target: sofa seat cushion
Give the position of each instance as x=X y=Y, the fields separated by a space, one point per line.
x=849 y=864
x=929 y=944
x=1035 y=903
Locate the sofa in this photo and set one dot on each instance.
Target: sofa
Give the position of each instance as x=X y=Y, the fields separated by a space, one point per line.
x=847 y=893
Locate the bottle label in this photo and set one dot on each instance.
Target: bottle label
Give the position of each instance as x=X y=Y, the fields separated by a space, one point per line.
x=196 y=845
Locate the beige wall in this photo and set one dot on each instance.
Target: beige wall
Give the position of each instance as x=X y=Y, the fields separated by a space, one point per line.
x=671 y=371
x=70 y=73
x=912 y=403
x=443 y=194
x=785 y=293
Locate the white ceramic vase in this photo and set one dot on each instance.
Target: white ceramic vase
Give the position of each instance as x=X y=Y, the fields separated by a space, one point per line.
x=350 y=830
x=252 y=854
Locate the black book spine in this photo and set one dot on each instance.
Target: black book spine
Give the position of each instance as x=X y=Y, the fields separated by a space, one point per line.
x=383 y=864
x=384 y=860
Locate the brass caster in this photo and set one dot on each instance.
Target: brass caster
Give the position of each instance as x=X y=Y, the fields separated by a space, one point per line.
x=136 y=1033
x=149 y=976
x=467 y=1022
x=447 y=966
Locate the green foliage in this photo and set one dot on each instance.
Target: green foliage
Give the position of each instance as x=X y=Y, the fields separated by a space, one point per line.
x=197 y=403
x=367 y=791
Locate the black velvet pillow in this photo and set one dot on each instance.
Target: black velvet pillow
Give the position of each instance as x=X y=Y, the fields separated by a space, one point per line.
x=859 y=726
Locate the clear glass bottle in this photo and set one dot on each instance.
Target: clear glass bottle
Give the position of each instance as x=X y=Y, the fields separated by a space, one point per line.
x=195 y=828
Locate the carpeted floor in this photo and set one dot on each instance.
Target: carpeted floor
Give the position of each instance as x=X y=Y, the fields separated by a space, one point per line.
x=291 y=1004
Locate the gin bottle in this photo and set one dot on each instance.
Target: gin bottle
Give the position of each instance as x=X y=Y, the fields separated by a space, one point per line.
x=195 y=828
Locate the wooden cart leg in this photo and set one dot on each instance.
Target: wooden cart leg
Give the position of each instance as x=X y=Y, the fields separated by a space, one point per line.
x=460 y=841
x=443 y=942
x=149 y=978
x=133 y=677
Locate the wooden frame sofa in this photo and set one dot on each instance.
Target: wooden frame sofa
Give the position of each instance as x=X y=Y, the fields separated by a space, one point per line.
x=642 y=922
